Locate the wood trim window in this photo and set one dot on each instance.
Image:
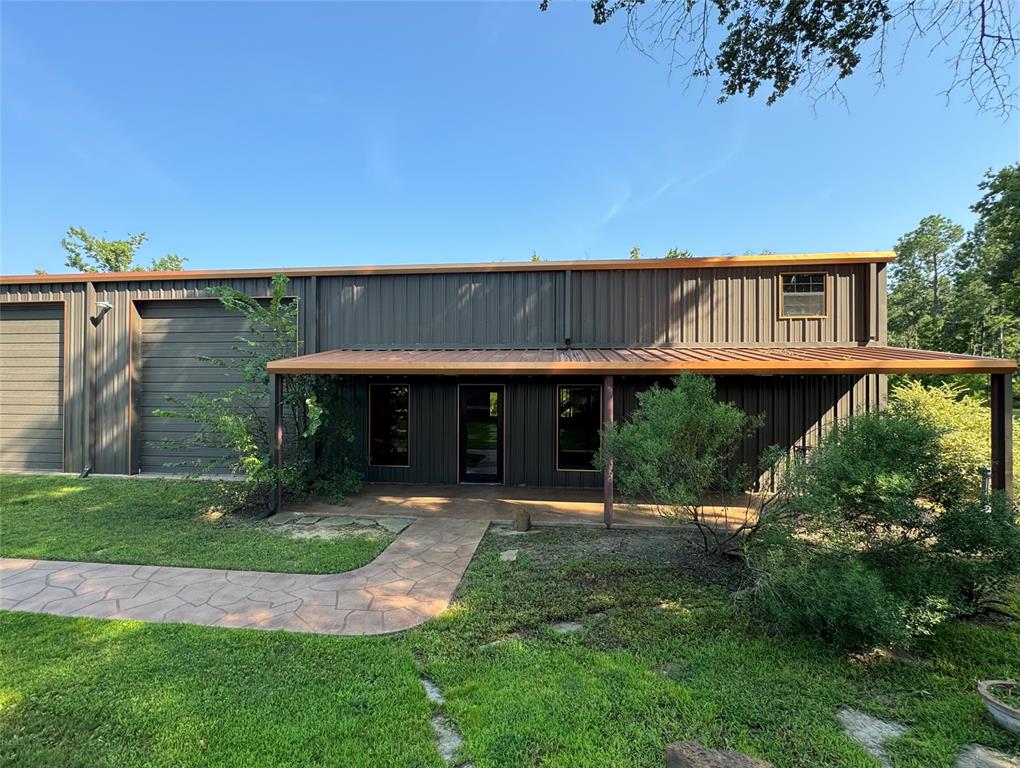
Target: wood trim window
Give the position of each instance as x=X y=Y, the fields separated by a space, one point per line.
x=803 y=295
x=389 y=425
x=578 y=421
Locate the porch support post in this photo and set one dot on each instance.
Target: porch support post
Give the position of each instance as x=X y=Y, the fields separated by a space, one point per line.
x=276 y=390
x=607 y=475
x=1002 y=433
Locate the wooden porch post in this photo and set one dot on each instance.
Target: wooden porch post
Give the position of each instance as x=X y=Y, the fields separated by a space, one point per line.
x=607 y=475
x=276 y=390
x=1002 y=433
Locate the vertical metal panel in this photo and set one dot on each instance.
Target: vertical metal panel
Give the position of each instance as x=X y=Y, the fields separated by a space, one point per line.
x=75 y=332
x=433 y=438
x=490 y=309
x=531 y=434
x=709 y=307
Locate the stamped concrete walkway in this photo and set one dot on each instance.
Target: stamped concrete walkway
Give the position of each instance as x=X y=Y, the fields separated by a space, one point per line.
x=410 y=582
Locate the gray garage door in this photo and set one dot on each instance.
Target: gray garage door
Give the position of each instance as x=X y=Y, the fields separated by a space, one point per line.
x=175 y=334
x=31 y=387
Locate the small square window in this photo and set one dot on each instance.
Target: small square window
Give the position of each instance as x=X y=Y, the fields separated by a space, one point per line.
x=803 y=294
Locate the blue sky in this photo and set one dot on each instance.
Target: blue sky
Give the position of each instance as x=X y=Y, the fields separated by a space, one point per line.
x=254 y=135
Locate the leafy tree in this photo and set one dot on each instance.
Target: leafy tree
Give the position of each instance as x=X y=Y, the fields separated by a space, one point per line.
x=922 y=276
x=676 y=253
x=87 y=253
x=779 y=45
x=635 y=252
x=977 y=293
x=998 y=229
x=535 y=257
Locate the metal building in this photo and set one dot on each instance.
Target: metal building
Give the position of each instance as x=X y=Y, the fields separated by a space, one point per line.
x=495 y=373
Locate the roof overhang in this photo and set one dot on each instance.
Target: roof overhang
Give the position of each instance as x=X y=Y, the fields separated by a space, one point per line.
x=750 y=260
x=645 y=361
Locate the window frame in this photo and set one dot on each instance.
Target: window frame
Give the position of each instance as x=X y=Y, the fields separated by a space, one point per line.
x=825 y=295
x=372 y=384
x=559 y=389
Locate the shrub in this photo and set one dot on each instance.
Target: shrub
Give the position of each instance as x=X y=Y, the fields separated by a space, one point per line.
x=675 y=449
x=844 y=603
x=879 y=506
x=965 y=421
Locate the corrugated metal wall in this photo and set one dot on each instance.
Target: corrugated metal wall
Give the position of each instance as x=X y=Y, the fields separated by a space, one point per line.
x=795 y=411
x=711 y=307
x=682 y=307
x=490 y=309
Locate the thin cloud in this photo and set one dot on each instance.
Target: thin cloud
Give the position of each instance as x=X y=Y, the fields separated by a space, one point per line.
x=616 y=208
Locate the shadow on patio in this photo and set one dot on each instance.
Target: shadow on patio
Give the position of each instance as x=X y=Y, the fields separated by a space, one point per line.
x=550 y=506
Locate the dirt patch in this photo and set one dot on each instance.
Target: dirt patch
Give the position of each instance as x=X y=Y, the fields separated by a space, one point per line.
x=326 y=534
x=678 y=548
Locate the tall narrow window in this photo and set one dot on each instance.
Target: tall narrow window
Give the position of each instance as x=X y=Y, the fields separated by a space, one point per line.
x=389 y=430
x=578 y=419
x=803 y=295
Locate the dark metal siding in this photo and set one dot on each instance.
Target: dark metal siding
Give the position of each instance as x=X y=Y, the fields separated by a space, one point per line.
x=711 y=307
x=490 y=309
x=795 y=411
x=32 y=387
x=433 y=439
x=689 y=307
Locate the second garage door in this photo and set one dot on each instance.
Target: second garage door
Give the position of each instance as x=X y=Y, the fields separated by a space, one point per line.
x=174 y=336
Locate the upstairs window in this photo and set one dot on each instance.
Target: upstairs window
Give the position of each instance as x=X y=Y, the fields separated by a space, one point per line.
x=803 y=294
x=389 y=425
x=578 y=419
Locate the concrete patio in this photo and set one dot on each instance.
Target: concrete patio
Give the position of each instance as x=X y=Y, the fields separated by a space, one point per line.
x=498 y=503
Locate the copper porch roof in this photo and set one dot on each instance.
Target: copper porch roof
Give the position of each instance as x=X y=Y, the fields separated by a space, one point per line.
x=641 y=360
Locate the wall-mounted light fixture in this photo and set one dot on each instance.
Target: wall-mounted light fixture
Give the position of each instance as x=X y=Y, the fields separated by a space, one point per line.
x=104 y=307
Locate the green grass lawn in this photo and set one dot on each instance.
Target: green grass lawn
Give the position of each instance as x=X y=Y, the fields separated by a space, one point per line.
x=158 y=522
x=662 y=657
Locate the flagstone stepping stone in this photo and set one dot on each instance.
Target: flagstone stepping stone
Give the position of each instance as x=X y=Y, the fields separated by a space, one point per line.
x=336 y=521
x=509 y=555
x=978 y=756
x=432 y=692
x=448 y=740
x=870 y=732
x=566 y=627
x=283 y=518
x=691 y=754
x=394 y=524
x=305 y=520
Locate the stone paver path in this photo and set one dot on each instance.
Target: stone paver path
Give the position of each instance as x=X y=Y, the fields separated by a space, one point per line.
x=409 y=583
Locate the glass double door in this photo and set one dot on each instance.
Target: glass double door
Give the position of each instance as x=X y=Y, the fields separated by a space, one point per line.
x=481 y=433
